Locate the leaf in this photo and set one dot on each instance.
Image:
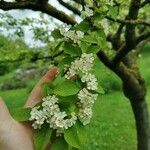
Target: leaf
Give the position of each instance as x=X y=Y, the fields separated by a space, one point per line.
x=84 y=26
x=93 y=49
x=59 y=144
x=58 y=80
x=76 y=135
x=113 y=11
x=66 y=88
x=84 y=45
x=21 y=114
x=71 y=49
x=100 y=90
x=68 y=103
x=42 y=137
x=66 y=61
x=47 y=89
x=56 y=34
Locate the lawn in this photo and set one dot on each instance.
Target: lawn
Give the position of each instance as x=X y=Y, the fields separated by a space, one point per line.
x=112 y=127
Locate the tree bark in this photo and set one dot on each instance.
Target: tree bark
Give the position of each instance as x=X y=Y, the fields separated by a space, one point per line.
x=141 y=115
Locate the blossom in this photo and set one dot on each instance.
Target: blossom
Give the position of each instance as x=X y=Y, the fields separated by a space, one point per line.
x=91 y=81
x=86 y=98
x=85 y=115
x=85 y=105
x=38 y=117
x=87 y=12
x=73 y=35
x=57 y=120
x=83 y=64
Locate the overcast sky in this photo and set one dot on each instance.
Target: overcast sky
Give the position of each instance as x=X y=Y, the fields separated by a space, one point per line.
x=20 y=14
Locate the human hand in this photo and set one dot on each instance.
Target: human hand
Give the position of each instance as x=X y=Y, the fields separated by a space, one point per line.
x=15 y=135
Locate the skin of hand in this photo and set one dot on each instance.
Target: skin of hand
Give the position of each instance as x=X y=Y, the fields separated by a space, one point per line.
x=19 y=136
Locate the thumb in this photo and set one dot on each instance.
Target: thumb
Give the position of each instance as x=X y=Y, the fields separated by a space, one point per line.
x=4 y=113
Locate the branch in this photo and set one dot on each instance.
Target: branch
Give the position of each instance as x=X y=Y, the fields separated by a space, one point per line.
x=130 y=37
x=79 y=1
x=105 y=59
x=128 y=22
x=145 y=3
x=36 y=59
x=33 y=5
x=68 y=6
x=143 y=37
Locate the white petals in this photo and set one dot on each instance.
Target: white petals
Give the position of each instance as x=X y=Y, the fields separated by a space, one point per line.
x=73 y=35
x=84 y=65
x=85 y=104
x=91 y=81
x=87 y=12
x=51 y=114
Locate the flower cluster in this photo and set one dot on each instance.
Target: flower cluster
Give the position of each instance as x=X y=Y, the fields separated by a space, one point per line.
x=85 y=105
x=83 y=67
x=83 y=64
x=51 y=114
x=59 y=120
x=73 y=35
x=87 y=12
x=91 y=81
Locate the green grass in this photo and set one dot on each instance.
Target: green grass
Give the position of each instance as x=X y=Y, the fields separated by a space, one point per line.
x=112 y=126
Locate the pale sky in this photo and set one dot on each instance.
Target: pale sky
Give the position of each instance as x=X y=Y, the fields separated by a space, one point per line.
x=20 y=14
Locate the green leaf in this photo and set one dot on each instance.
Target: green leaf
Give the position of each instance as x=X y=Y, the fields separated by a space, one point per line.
x=84 y=45
x=21 y=114
x=66 y=61
x=56 y=34
x=113 y=11
x=58 y=80
x=84 y=26
x=66 y=88
x=42 y=137
x=71 y=49
x=47 y=89
x=76 y=135
x=100 y=90
x=59 y=144
x=93 y=49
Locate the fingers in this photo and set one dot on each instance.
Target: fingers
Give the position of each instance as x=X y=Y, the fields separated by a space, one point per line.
x=36 y=94
x=4 y=113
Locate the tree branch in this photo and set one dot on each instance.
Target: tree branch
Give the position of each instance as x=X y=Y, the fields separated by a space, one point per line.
x=33 y=5
x=130 y=37
x=128 y=22
x=145 y=3
x=68 y=6
x=143 y=37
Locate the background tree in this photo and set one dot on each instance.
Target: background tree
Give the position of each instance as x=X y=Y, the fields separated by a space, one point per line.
x=126 y=26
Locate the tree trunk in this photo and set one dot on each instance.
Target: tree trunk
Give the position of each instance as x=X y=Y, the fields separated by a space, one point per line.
x=141 y=115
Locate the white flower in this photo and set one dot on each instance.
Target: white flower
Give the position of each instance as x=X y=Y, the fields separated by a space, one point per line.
x=73 y=35
x=91 y=81
x=87 y=12
x=85 y=115
x=86 y=98
x=84 y=65
x=85 y=105
x=50 y=105
x=38 y=117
